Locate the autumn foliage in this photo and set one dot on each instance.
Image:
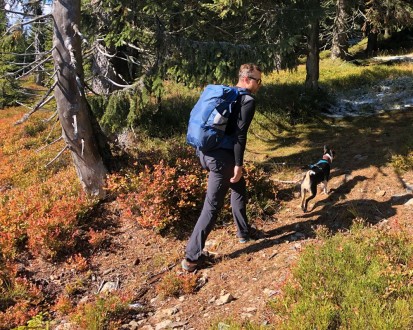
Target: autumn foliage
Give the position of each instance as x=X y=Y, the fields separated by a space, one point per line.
x=39 y=209
x=45 y=214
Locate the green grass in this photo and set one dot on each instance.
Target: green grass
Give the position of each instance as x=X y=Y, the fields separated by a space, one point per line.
x=358 y=280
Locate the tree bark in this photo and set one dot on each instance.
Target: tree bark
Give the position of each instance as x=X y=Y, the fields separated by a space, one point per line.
x=339 y=47
x=38 y=44
x=73 y=109
x=372 y=40
x=313 y=56
x=102 y=68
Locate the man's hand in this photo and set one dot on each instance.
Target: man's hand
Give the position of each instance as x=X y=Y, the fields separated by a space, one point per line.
x=237 y=174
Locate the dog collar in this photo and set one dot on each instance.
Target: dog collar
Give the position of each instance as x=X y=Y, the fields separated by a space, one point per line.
x=329 y=158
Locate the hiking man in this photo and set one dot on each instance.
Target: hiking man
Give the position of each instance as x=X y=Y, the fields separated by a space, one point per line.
x=225 y=166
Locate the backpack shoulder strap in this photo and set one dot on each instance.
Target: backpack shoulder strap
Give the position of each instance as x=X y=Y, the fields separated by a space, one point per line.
x=243 y=91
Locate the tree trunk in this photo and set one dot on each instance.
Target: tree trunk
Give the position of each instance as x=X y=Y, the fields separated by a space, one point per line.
x=372 y=44
x=73 y=109
x=313 y=58
x=38 y=44
x=339 y=47
x=102 y=69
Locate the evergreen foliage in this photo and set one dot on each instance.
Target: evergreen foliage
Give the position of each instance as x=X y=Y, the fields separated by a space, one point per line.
x=9 y=87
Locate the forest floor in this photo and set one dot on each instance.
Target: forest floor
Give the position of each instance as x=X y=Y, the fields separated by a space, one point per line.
x=363 y=184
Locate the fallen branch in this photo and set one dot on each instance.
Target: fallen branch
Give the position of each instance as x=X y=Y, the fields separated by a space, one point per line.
x=152 y=279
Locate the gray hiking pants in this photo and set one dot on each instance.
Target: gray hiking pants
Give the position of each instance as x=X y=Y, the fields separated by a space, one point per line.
x=220 y=164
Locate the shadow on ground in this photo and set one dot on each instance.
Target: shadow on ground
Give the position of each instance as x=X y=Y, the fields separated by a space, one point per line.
x=334 y=214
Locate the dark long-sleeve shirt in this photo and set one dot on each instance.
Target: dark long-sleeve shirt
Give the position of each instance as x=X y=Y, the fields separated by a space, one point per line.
x=238 y=124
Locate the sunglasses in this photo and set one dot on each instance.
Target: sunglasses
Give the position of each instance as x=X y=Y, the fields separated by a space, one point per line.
x=257 y=80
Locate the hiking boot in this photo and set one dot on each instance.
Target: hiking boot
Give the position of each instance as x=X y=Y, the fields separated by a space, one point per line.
x=244 y=240
x=189 y=266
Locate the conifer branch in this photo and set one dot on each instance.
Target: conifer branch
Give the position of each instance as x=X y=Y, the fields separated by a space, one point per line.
x=27 y=54
x=18 y=13
x=53 y=126
x=51 y=117
x=118 y=85
x=77 y=31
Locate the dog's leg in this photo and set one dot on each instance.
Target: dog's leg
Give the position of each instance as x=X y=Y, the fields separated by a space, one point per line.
x=303 y=191
x=313 y=191
x=305 y=186
x=325 y=188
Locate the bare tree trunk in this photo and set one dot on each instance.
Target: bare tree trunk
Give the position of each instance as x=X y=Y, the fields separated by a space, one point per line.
x=313 y=58
x=372 y=40
x=372 y=43
x=102 y=69
x=73 y=109
x=38 y=44
x=339 y=47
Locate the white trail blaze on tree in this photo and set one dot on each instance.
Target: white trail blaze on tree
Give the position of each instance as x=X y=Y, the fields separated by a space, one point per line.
x=72 y=107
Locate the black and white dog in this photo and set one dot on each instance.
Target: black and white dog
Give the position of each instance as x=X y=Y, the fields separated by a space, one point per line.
x=319 y=172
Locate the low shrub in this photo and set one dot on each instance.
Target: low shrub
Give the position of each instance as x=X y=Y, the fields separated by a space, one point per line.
x=173 y=284
x=101 y=314
x=402 y=163
x=170 y=195
x=261 y=190
x=165 y=195
x=19 y=299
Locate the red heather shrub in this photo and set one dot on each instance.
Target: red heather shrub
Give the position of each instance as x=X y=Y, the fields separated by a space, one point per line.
x=165 y=195
x=38 y=205
x=170 y=195
x=18 y=300
x=45 y=214
x=53 y=228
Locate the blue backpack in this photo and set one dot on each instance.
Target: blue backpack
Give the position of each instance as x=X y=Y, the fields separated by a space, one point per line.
x=209 y=117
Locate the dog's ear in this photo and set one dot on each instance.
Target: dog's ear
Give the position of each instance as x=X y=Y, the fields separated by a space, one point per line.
x=326 y=149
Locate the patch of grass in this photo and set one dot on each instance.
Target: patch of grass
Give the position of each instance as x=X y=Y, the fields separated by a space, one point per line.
x=402 y=163
x=358 y=280
x=103 y=313
x=230 y=324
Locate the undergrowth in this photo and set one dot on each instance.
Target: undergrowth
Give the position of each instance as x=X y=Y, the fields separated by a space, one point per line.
x=168 y=196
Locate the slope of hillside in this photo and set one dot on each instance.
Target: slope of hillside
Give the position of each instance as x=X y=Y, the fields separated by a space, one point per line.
x=363 y=185
x=127 y=263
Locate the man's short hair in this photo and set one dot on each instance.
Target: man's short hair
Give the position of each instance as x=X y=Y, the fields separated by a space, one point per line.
x=246 y=69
